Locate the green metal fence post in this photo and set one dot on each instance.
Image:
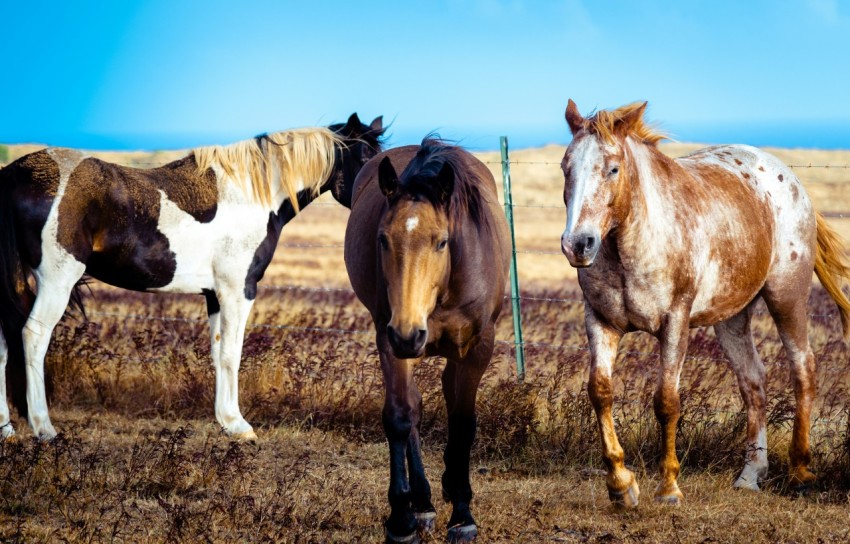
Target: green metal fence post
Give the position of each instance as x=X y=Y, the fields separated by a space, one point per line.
x=509 y=212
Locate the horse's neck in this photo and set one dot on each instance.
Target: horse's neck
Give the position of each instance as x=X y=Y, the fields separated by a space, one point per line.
x=650 y=221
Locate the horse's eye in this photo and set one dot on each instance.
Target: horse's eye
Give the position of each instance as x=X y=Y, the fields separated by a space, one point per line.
x=441 y=245
x=615 y=170
x=384 y=242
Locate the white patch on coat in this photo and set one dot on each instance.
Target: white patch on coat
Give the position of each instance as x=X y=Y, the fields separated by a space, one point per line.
x=223 y=247
x=411 y=223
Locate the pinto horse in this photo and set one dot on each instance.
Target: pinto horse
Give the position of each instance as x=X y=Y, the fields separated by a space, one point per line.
x=427 y=254
x=207 y=223
x=663 y=245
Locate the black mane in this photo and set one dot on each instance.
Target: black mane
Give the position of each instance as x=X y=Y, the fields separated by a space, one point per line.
x=418 y=180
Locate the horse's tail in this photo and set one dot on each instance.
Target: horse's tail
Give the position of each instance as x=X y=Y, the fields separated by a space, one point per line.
x=16 y=298
x=831 y=266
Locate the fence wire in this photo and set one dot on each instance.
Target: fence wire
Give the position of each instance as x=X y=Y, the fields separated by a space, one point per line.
x=570 y=301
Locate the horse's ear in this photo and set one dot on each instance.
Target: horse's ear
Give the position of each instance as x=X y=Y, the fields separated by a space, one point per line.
x=446 y=182
x=574 y=118
x=630 y=120
x=354 y=122
x=377 y=125
x=387 y=178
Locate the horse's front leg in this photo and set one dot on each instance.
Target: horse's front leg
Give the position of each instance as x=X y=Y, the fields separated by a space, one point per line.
x=603 y=340
x=228 y=314
x=420 y=489
x=674 y=343
x=460 y=389
x=400 y=419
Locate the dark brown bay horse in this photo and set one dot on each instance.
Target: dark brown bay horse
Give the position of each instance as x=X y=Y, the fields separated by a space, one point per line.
x=208 y=224
x=663 y=245
x=427 y=253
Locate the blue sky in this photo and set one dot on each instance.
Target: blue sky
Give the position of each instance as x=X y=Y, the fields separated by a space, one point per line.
x=164 y=74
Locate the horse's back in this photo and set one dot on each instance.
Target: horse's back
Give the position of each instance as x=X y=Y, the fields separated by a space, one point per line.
x=771 y=236
x=773 y=185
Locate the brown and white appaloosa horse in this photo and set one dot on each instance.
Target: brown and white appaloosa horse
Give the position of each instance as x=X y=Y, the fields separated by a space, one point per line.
x=663 y=245
x=427 y=253
x=207 y=223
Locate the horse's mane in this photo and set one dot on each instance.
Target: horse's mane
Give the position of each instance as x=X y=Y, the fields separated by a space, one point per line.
x=304 y=156
x=418 y=178
x=604 y=123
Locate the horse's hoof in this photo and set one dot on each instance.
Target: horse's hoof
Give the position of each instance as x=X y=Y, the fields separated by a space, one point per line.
x=801 y=480
x=46 y=436
x=462 y=533
x=7 y=432
x=669 y=500
x=412 y=538
x=247 y=436
x=669 y=494
x=426 y=521
x=625 y=499
x=746 y=483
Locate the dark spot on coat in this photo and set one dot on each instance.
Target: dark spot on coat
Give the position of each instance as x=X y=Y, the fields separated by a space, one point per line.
x=213 y=306
x=781 y=177
x=795 y=193
x=36 y=180
x=793 y=255
x=738 y=162
x=746 y=175
x=761 y=168
x=109 y=215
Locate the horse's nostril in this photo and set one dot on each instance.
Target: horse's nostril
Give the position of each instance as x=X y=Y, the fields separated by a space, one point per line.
x=421 y=337
x=589 y=243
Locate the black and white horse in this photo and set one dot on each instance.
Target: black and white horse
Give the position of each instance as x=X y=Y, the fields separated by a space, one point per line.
x=207 y=223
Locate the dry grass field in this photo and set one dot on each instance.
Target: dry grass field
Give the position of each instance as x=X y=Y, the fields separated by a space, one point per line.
x=140 y=459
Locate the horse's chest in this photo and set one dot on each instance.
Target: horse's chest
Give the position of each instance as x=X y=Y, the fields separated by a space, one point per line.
x=626 y=301
x=452 y=333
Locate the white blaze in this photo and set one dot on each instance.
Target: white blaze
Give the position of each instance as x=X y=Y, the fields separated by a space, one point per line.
x=411 y=223
x=585 y=156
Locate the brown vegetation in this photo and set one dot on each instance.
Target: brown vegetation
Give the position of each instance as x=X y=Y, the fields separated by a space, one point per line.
x=140 y=458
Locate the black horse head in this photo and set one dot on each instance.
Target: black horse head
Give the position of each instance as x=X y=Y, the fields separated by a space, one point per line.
x=361 y=142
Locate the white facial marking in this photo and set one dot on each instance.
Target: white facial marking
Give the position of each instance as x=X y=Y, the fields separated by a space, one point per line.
x=585 y=156
x=411 y=223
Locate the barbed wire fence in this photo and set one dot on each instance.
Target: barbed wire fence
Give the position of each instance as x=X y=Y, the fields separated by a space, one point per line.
x=523 y=296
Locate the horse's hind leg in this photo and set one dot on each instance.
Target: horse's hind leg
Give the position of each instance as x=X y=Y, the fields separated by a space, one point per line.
x=736 y=339
x=788 y=309
x=6 y=429
x=55 y=284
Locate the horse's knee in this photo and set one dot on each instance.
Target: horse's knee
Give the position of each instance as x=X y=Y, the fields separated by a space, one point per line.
x=667 y=405
x=398 y=422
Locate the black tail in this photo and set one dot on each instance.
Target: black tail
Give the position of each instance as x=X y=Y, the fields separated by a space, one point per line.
x=16 y=298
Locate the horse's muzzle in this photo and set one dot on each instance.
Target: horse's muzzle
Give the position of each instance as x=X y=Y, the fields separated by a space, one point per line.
x=411 y=346
x=580 y=248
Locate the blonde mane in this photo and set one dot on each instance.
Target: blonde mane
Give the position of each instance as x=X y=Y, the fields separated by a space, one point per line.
x=604 y=123
x=303 y=156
